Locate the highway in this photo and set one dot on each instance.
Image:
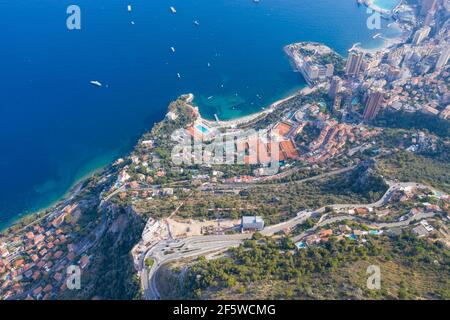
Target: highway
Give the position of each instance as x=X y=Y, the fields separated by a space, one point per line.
x=384 y=225
x=170 y=250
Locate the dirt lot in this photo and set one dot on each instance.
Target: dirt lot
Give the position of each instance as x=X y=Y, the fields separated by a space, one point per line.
x=181 y=228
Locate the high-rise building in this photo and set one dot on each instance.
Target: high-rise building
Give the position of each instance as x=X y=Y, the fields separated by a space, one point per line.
x=329 y=70
x=393 y=73
x=335 y=87
x=312 y=70
x=337 y=103
x=429 y=18
x=354 y=62
x=395 y=56
x=373 y=105
x=316 y=72
x=370 y=62
x=443 y=58
x=428 y=6
x=421 y=34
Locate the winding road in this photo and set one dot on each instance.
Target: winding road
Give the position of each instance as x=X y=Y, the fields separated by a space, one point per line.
x=170 y=250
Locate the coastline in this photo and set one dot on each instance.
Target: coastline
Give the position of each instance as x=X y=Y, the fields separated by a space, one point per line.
x=387 y=44
x=71 y=191
x=253 y=116
x=79 y=181
x=372 y=5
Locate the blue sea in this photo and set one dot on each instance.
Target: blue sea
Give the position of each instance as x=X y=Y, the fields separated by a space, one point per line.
x=56 y=127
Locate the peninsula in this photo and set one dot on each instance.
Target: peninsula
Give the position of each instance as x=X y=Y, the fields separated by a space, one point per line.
x=359 y=177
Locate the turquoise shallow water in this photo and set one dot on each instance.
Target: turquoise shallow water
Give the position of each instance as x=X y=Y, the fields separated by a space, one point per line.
x=55 y=126
x=387 y=4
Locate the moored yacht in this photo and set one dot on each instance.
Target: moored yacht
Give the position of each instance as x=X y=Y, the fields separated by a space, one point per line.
x=96 y=83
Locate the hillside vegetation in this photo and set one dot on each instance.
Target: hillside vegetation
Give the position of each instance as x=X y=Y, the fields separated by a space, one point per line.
x=266 y=269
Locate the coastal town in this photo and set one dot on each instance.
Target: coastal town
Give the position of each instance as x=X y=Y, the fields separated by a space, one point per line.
x=41 y=255
x=192 y=201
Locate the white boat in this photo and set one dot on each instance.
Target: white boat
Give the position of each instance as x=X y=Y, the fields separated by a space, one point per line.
x=179 y=75
x=173 y=9
x=210 y=97
x=173 y=49
x=129 y=8
x=196 y=23
x=96 y=83
x=378 y=35
x=209 y=65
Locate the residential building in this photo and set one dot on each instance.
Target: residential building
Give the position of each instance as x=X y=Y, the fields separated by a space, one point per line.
x=420 y=231
x=373 y=105
x=443 y=58
x=421 y=35
x=427 y=6
x=335 y=87
x=252 y=223
x=337 y=103
x=354 y=63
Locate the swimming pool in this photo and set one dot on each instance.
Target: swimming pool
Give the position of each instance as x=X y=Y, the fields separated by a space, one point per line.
x=202 y=128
